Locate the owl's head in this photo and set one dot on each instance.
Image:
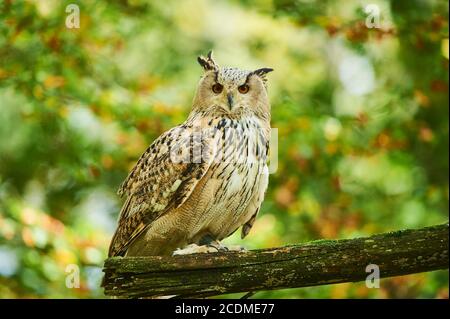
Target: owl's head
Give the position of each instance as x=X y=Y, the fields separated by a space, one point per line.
x=232 y=91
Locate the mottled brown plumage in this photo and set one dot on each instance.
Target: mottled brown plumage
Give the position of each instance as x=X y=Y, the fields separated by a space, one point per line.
x=202 y=180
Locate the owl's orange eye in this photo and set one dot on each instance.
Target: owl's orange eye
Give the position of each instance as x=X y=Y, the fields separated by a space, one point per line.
x=243 y=88
x=217 y=88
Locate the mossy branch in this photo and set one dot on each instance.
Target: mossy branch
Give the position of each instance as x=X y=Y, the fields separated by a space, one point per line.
x=311 y=264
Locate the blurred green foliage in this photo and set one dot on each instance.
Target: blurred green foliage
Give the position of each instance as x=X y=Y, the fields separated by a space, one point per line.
x=362 y=115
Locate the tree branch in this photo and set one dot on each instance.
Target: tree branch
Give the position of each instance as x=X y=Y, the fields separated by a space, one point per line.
x=316 y=263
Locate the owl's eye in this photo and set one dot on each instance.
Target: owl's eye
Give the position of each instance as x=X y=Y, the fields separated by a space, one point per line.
x=217 y=88
x=243 y=88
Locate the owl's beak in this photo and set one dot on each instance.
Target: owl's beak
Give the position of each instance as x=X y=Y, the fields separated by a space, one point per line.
x=230 y=100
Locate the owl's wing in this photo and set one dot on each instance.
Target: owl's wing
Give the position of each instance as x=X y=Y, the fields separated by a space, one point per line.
x=163 y=178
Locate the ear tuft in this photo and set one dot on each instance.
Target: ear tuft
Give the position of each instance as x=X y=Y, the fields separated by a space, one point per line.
x=262 y=73
x=208 y=63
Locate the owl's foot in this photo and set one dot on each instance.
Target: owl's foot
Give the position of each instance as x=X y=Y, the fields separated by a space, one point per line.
x=212 y=247
x=209 y=240
x=236 y=248
x=194 y=249
x=217 y=245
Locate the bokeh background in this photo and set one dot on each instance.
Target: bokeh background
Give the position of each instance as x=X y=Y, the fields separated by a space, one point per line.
x=362 y=115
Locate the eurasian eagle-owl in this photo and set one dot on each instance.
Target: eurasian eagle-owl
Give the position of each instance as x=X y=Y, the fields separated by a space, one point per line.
x=202 y=180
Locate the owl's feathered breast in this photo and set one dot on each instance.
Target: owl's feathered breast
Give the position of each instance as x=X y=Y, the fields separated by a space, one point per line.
x=240 y=176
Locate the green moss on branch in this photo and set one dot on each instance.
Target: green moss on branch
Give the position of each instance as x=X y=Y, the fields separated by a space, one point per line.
x=316 y=263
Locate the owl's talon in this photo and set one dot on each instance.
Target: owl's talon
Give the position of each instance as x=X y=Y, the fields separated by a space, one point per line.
x=237 y=248
x=218 y=246
x=221 y=248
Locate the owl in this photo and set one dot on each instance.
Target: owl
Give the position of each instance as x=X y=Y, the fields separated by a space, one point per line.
x=202 y=180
